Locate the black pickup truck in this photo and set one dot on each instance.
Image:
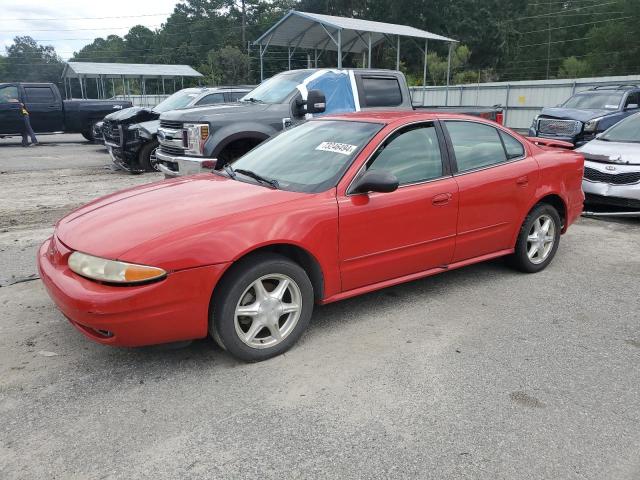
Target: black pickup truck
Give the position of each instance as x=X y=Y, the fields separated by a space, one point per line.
x=48 y=112
x=205 y=138
x=586 y=114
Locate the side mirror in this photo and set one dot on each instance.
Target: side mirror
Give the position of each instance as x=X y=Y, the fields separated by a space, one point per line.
x=316 y=102
x=376 y=181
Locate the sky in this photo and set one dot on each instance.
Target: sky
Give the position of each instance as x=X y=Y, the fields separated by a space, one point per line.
x=68 y=25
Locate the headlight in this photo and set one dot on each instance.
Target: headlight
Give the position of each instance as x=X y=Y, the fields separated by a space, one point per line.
x=195 y=135
x=112 y=271
x=592 y=125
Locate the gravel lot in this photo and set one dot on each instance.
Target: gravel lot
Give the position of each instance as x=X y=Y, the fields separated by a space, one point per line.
x=480 y=373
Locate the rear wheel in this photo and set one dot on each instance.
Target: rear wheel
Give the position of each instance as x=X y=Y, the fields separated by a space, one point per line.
x=261 y=307
x=538 y=239
x=147 y=156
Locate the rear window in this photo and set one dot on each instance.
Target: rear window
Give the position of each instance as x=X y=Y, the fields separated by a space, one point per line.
x=381 y=92
x=512 y=146
x=39 y=95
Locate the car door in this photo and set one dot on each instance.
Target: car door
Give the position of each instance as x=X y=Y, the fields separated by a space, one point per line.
x=44 y=107
x=390 y=235
x=10 y=117
x=496 y=182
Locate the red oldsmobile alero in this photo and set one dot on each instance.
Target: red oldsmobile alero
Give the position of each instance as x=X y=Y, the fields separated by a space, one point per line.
x=333 y=208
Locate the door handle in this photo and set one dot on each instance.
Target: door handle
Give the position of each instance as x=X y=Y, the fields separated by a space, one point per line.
x=441 y=199
x=522 y=181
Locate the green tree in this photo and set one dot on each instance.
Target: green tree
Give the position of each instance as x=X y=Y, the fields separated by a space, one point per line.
x=27 y=61
x=573 y=67
x=227 y=66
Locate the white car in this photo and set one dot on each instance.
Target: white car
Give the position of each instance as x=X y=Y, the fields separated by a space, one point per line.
x=612 y=170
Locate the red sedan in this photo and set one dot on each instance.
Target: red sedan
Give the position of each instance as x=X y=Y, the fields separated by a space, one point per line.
x=336 y=207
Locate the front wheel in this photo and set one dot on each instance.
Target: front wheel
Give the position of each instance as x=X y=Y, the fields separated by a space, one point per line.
x=538 y=239
x=147 y=157
x=261 y=307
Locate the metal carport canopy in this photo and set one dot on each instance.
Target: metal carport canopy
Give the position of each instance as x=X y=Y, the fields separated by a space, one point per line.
x=314 y=31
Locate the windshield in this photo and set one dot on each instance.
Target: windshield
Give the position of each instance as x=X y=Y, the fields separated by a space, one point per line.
x=277 y=88
x=595 y=101
x=626 y=131
x=179 y=99
x=311 y=157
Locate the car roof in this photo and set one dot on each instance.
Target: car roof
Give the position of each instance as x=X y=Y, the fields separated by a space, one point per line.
x=396 y=116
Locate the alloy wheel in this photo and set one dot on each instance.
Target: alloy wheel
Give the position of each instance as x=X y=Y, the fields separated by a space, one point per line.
x=541 y=239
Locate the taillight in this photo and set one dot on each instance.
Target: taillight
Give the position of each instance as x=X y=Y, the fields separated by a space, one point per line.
x=208 y=164
x=500 y=118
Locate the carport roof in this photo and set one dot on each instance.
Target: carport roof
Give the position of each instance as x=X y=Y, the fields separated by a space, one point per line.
x=314 y=30
x=118 y=70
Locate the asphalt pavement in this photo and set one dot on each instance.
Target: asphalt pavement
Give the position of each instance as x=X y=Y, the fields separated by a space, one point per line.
x=479 y=373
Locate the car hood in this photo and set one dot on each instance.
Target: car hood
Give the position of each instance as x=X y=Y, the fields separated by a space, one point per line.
x=611 y=152
x=211 y=112
x=574 y=113
x=132 y=115
x=120 y=225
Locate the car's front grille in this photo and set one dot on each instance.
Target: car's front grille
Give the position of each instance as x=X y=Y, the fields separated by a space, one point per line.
x=625 y=203
x=611 y=178
x=174 y=151
x=111 y=132
x=171 y=124
x=554 y=126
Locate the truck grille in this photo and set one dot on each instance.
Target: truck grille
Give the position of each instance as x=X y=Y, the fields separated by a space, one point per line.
x=173 y=151
x=611 y=178
x=553 y=126
x=171 y=124
x=111 y=132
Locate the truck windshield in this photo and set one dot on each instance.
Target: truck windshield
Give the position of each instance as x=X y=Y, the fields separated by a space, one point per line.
x=277 y=88
x=595 y=101
x=311 y=157
x=626 y=131
x=179 y=99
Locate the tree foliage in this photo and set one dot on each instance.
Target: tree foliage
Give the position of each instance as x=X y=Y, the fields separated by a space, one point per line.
x=29 y=62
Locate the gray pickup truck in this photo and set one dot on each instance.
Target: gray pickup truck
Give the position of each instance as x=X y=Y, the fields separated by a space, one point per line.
x=207 y=138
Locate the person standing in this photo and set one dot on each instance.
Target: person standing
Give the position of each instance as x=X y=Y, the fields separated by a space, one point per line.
x=27 y=131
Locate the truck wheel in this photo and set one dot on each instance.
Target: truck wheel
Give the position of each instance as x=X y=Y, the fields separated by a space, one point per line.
x=88 y=134
x=261 y=307
x=538 y=239
x=147 y=156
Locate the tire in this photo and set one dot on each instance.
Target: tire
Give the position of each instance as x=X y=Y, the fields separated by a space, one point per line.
x=534 y=255
x=266 y=330
x=144 y=156
x=88 y=136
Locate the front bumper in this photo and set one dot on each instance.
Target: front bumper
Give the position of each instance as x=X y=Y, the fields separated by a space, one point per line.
x=609 y=197
x=577 y=140
x=173 y=309
x=174 y=166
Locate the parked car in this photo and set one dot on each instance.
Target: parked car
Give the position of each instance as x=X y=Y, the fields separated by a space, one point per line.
x=612 y=170
x=207 y=138
x=584 y=115
x=333 y=208
x=48 y=112
x=130 y=135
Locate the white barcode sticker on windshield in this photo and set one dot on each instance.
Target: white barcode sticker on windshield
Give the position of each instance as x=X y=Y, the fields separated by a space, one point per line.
x=343 y=148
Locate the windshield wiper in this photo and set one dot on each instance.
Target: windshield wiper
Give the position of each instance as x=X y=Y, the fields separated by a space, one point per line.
x=252 y=100
x=259 y=178
x=230 y=171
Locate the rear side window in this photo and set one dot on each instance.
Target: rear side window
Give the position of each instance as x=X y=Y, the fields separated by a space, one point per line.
x=411 y=154
x=475 y=145
x=39 y=95
x=381 y=92
x=211 y=99
x=512 y=146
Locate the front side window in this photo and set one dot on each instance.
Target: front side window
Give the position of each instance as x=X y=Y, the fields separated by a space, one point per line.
x=39 y=95
x=633 y=101
x=211 y=99
x=475 y=145
x=311 y=157
x=9 y=94
x=411 y=154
